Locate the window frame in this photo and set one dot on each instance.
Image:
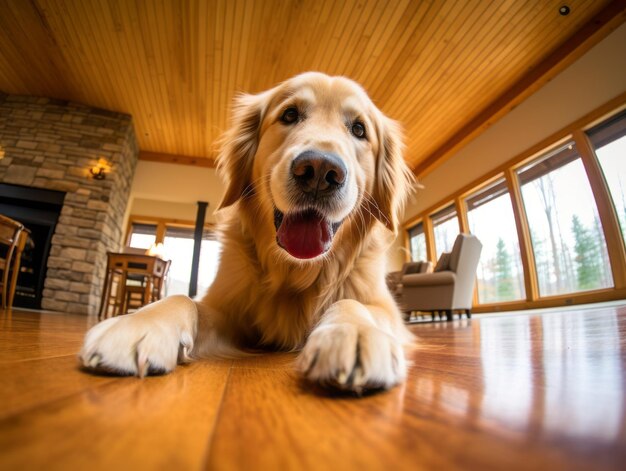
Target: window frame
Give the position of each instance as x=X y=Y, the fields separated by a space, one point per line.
x=407 y=244
x=162 y=225
x=462 y=206
x=548 y=154
x=616 y=247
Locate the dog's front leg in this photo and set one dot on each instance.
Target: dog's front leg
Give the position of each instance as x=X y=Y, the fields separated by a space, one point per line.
x=151 y=340
x=354 y=348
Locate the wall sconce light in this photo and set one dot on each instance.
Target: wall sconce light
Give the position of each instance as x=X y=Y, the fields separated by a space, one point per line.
x=100 y=170
x=156 y=250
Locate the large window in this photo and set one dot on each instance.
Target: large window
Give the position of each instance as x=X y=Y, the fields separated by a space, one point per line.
x=178 y=244
x=567 y=238
x=209 y=258
x=178 y=247
x=500 y=276
x=558 y=254
x=142 y=236
x=417 y=239
x=446 y=228
x=609 y=140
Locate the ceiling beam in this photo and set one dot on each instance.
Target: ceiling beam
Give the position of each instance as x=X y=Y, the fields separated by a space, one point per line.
x=177 y=159
x=599 y=27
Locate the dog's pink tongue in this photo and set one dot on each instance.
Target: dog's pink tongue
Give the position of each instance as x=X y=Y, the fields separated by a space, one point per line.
x=304 y=235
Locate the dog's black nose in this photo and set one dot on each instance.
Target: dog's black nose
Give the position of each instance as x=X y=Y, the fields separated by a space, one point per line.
x=318 y=171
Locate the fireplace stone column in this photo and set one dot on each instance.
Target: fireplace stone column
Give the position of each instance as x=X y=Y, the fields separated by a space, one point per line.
x=52 y=144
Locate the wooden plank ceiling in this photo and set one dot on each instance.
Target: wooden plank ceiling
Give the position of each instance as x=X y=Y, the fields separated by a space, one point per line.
x=444 y=68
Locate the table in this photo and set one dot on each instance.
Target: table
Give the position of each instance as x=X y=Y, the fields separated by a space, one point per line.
x=148 y=270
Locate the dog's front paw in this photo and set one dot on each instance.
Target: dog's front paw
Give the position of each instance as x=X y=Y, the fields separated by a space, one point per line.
x=135 y=344
x=352 y=357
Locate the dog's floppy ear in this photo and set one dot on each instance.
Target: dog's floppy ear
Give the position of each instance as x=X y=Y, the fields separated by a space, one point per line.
x=239 y=145
x=394 y=180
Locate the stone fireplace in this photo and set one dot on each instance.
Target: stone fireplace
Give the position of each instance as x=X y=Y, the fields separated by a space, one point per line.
x=51 y=144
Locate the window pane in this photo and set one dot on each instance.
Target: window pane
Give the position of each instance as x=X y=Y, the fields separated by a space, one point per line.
x=178 y=247
x=209 y=258
x=446 y=228
x=568 y=242
x=142 y=236
x=500 y=276
x=609 y=139
x=417 y=240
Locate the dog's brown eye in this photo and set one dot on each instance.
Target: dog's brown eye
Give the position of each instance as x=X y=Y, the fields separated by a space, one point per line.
x=358 y=129
x=290 y=115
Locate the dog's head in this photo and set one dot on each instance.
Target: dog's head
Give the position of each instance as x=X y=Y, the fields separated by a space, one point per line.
x=312 y=151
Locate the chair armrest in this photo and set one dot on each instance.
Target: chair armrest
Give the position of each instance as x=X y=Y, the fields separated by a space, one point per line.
x=429 y=279
x=394 y=275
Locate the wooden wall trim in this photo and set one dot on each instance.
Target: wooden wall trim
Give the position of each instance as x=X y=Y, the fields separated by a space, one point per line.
x=177 y=159
x=406 y=243
x=431 y=253
x=554 y=301
x=161 y=224
x=461 y=211
x=594 y=31
x=606 y=209
x=531 y=285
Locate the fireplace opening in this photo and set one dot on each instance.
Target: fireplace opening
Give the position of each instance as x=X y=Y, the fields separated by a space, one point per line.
x=39 y=211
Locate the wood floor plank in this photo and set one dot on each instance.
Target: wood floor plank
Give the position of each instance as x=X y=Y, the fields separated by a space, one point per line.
x=30 y=384
x=159 y=422
x=278 y=360
x=27 y=335
x=515 y=391
x=501 y=393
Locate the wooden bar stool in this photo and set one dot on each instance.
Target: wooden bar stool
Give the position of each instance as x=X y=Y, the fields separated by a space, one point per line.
x=128 y=275
x=13 y=237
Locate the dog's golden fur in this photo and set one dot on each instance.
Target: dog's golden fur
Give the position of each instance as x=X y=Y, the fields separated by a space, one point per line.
x=336 y=306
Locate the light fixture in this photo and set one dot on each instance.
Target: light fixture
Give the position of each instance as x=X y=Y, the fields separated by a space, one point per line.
x=564 y=10
x=100 y=170
x=156 y=250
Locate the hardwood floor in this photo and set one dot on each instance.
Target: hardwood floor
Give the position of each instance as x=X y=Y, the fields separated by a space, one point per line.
x=515 y=391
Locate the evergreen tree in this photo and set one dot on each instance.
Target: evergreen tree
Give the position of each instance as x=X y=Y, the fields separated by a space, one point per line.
x=502 y=271
x=588 y=257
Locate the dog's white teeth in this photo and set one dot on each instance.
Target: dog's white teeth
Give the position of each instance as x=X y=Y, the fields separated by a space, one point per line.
x=93 y=361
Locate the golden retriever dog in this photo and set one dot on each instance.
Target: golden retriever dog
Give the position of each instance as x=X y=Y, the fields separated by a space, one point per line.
x=315 y=182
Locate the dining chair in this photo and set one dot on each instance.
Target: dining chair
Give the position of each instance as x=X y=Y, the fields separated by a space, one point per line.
x=10 y=242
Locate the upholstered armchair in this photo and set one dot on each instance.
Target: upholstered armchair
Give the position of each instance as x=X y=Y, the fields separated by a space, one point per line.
x=450 y=287
x=394 y=278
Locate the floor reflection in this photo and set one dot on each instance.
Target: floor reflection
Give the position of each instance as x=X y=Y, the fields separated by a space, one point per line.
x=534 y=378
x=558 y=374
x=505 y=349
x=584 y=385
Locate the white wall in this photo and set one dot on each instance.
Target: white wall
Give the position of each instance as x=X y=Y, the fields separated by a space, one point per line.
x=172 y=191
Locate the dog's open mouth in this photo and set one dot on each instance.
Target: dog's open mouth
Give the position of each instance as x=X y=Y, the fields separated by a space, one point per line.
x=304 y=234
